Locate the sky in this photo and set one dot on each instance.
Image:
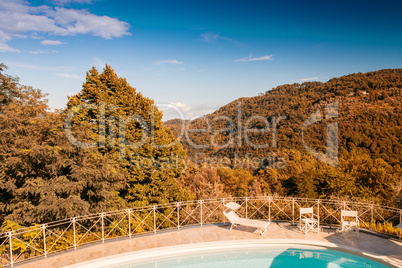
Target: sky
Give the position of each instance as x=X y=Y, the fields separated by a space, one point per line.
x=196 y=55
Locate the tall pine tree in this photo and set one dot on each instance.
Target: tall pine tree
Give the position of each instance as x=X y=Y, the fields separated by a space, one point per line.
x=43 y=177
x=128 y=126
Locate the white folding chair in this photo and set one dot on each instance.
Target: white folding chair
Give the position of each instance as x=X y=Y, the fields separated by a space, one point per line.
x=309 y=221
x=349 y=222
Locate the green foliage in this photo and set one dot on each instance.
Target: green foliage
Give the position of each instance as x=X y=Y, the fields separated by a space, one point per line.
x=385 y=227
x=146 y=182
x=370 y=140
x=43 y=177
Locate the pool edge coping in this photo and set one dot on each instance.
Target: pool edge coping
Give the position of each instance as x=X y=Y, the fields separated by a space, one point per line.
x=228 y=244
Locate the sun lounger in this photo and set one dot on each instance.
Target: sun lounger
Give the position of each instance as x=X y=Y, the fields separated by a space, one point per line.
x=236 y=220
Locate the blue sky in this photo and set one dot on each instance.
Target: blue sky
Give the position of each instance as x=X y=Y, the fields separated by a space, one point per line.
x=198 y=55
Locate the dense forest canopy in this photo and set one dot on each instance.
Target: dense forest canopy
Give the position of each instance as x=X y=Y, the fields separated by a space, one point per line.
x=108 y=149
x=369 y=136
x=45 y=177
x=369 y=117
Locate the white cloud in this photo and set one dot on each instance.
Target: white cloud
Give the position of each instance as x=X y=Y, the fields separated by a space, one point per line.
x=52 y=42
x=99 y=63
x=183 y=107
x=210 y=37
x=6 y=48
x=168 y=61
x=19 y=19
x=70 y=76
x=250 y=58
x=43 y=52
x=50 y=68
x=189 y=112
x=307 y=79
x=67 y=2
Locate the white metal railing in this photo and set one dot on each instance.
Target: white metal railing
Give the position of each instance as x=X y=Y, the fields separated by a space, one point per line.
x=41 y=240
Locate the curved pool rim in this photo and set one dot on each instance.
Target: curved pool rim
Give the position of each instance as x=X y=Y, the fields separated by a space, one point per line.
x=186 y=249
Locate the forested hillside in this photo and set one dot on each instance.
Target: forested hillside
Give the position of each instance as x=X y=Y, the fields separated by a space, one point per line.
x=45 y=175
x=369 y=124
x=108 y=149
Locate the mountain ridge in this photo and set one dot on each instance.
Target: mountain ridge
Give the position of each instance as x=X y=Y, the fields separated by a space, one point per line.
x=364 y=100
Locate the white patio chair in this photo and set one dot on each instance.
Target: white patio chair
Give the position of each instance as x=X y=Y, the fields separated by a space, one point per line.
x=234 y=219
x=309 y=221
x=349 y=222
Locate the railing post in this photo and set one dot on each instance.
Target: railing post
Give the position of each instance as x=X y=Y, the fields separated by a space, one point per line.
x=344 y=205
x=10 y=235
x=318 y=213
x=201 y=212
x=44 y=239
x=293 y=210
x=154 y=219
x=129 y=222
x=269 y=208
x=75 y=238
x=246 y=207
x=178 y=215
x=372 y=217
x=103 y=228
x=223 y=204
x=400 y=220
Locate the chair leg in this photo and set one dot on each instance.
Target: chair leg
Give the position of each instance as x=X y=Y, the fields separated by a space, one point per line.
x=263 y=231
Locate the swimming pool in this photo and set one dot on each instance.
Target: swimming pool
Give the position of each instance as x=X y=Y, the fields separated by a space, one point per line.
x=240 y=255
x=291 y=257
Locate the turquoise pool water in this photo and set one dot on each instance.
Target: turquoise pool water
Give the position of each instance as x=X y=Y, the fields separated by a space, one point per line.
x=255 y=258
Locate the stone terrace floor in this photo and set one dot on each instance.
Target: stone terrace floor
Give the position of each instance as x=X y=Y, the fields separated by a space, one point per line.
x=389 y=250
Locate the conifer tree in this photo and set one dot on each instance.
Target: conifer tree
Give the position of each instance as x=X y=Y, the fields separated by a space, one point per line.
x=128 y=126
x=43 y=177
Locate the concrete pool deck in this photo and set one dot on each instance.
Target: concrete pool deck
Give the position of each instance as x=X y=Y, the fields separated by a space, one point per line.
x=386 y=250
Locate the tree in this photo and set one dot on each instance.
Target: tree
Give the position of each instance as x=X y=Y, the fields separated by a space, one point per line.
x=128 y=126
x=43 y=177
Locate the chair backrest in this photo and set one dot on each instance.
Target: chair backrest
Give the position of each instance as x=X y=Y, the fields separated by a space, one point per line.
x=232 y=205
x=306 y=210
x=349 y=213
x=231 y=215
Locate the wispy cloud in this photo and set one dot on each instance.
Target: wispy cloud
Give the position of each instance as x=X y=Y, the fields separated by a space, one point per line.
x=67 y=2
x=210 y=37
x=43 y=52
x=7 y=48
x=170 y=111
x=51 y=42
x=50 y=68
x=250 y=58
x=307 y=79
x=168 y=62
x=70 y=76
x=182 y=106
x=99 y=63
x=19 y=19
